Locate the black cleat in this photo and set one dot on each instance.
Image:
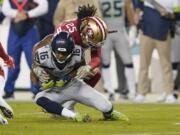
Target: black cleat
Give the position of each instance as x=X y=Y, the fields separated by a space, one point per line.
x=8 y=95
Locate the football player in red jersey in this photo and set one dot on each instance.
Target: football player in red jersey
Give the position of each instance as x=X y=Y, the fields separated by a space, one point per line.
x=88 y=31
x=7 y=60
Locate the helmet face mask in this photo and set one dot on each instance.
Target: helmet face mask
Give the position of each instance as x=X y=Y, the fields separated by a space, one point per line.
x=61 y=57
x=93 y=31
x=62 y=46
x=89 y=43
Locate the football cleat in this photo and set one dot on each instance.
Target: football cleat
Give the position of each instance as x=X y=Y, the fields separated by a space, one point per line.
x=8 y=95
x=115 y=115
x=3 y=121
x=7 y=110
x=170 y=99
x=82 y=118
x=139 y=98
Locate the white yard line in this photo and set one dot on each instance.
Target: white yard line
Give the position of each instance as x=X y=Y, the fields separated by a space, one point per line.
x=157 y=133
x=177 y=123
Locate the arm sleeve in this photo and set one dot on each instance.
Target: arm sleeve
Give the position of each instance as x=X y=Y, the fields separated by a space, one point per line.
x=95 y=57
x=41 y=9
x=7 y=10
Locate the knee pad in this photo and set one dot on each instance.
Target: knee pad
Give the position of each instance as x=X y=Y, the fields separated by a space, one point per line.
x=49 y=106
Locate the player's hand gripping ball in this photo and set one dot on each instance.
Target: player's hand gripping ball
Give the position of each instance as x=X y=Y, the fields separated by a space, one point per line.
x=85 y=72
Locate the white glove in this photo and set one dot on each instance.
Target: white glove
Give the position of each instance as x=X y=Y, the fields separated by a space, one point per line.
x=41 y=74
x=84 y=72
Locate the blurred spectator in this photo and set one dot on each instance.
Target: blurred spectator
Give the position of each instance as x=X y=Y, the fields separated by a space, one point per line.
x=157 y=20
x=45 y=22
x=23 y=34
x=115 y=19
x=175 y=54
x=66 y=9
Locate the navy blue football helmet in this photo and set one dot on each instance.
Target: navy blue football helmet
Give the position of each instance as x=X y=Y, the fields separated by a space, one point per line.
x=62 y=46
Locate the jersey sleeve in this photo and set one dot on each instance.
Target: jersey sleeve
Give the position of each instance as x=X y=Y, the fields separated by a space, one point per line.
x=78 y=56
x=3 y=54
x=95 y=57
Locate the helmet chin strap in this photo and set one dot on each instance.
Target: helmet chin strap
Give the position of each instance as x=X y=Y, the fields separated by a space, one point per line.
x=89 y=43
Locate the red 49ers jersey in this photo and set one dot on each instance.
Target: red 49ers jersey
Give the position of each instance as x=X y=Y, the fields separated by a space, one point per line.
x=72 y=27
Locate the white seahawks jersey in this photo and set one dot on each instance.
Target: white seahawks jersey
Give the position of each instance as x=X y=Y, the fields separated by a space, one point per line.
x=113 y=13
x=44 y=58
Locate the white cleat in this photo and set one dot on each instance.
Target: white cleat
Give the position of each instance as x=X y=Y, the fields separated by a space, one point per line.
x=170 y=99
x=162 y=98
x=132 y=95
x=3 y=121
x=7 y=110
x=139 y=98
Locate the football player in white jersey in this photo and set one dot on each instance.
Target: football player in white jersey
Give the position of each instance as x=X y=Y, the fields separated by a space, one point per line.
x=114 y=16
x=56 y=64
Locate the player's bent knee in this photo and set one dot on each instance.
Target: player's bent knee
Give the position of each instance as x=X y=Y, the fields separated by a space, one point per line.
x=49 y=106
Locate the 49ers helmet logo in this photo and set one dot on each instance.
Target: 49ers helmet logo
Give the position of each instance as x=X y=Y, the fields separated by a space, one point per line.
x=90 y=32
x=93 y=31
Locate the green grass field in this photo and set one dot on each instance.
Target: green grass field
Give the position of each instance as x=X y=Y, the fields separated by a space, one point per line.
x=146 y=119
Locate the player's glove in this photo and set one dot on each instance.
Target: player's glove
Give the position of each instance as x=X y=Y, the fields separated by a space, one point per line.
x=60 y=83
x=10 y=62
x=47 y=85
x=63 y=81
x=41 y=74
x=85 y=72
